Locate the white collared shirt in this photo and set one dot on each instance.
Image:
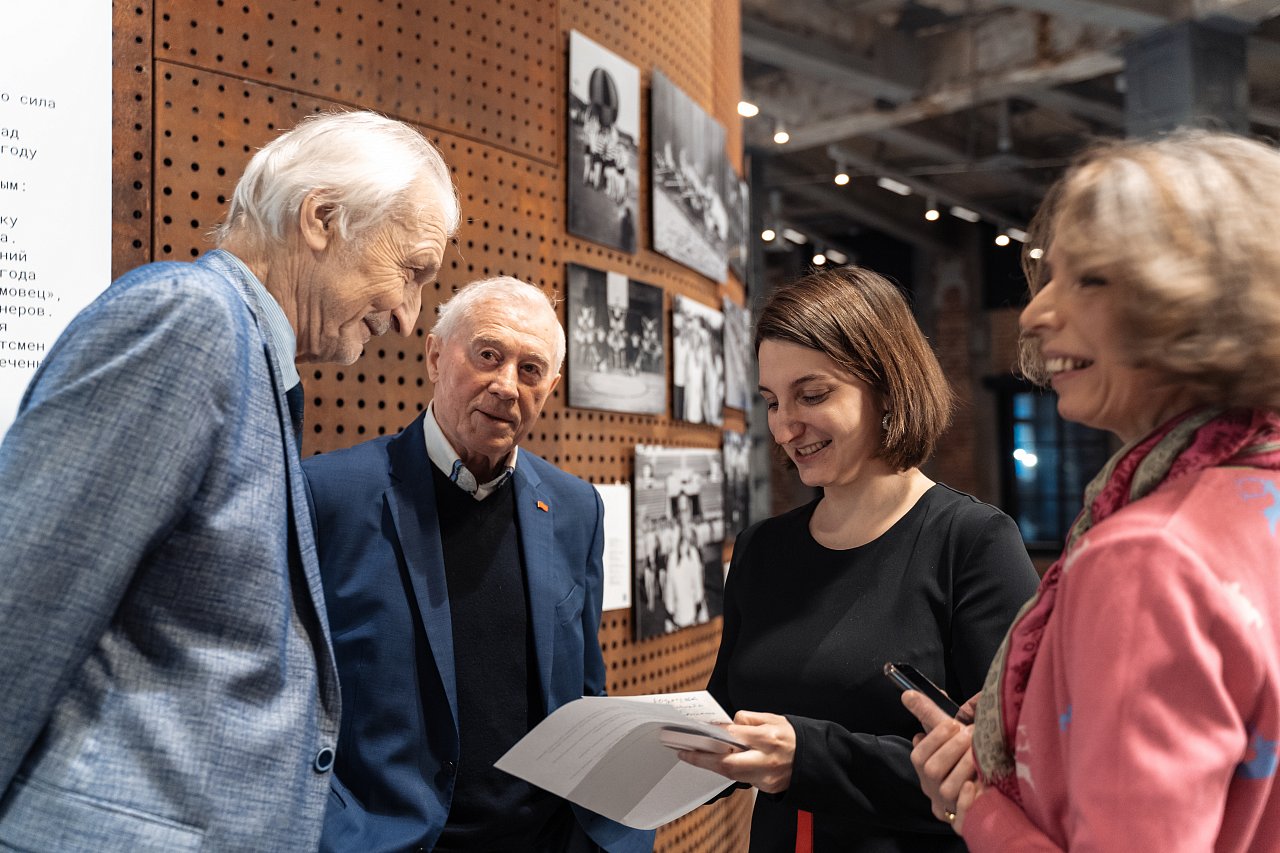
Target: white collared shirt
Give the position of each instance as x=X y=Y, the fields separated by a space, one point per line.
x=276 y=325
x=444 y=457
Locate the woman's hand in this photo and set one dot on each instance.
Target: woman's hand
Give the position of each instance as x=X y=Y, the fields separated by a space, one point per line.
x=942 y=757
x=969 y=793
x=766 y=763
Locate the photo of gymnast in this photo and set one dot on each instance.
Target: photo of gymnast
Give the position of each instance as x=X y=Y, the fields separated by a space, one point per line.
x=604 y=128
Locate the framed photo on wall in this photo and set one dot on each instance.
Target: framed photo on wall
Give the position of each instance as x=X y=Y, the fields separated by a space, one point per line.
x=678 y=535
x=738 y=200
x=688 y=166
x=697 y=344
x=739 y=358
x=617 y=359
x=737 y=482
x=604 y=152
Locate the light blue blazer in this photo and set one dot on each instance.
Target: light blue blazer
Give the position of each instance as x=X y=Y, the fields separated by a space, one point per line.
x=166 y=678
x=383 y=566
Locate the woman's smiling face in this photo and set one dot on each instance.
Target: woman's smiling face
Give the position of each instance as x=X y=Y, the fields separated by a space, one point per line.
x=827 y=421
x=1075 y=319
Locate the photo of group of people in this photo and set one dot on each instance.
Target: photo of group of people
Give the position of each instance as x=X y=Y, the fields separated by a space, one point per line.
x=617 y=360
x=688 y=166
x=678 y=536
x=604 y=156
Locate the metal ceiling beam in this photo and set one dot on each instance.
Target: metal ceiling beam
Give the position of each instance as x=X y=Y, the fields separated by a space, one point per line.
x=1109 y=15
x=1067 y=102
x=926 y=189
x=1011 y=83
x=945 y=154
x=841 y=203
x=781 y=49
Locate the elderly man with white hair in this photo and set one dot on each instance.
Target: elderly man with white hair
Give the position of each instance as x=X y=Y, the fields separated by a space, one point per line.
x=168 y=681
x=463 y=580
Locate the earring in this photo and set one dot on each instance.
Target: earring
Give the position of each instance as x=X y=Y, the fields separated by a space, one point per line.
x=884 y=422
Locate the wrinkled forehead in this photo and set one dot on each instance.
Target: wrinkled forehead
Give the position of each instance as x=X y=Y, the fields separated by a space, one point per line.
x=529 y=318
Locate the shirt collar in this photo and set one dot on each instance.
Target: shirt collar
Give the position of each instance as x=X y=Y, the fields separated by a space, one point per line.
x=283 y=340
x=444 y=457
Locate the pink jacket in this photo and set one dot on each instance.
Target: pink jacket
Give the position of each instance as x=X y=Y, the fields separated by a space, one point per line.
x=1152 y=714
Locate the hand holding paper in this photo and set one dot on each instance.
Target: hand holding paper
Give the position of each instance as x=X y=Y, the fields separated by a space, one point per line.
x=607 y=754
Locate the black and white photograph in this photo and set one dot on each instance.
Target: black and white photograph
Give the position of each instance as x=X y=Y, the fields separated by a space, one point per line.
x=738 y=200
x=697 y=352
x=737 y=482
x=617 y=360
x=604 y=145
x=678 y=535
x=739 y=357
x=690 y=218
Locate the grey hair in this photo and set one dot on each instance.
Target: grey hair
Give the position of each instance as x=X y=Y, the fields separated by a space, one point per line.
x=501 y=288
x=363 y=164
x=1184 y=226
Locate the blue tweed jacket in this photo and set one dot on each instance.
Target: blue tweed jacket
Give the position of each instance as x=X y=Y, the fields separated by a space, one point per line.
x=166 y=678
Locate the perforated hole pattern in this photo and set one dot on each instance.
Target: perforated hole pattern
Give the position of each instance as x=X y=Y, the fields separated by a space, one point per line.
x=485 y=80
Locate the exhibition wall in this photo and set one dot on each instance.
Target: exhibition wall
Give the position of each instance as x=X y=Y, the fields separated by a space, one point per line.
x=199 y=87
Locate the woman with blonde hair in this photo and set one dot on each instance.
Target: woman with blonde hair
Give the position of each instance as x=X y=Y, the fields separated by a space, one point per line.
x=886 y=565
x=1136 y=700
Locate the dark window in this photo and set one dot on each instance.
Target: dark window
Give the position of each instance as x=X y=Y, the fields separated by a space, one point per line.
x=1045 y=464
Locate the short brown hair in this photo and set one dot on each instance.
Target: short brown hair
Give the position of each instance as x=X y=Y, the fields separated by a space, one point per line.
x=861 y=321
x=1185 y=226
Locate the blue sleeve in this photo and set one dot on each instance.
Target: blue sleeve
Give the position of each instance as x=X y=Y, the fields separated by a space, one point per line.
x=110 y=445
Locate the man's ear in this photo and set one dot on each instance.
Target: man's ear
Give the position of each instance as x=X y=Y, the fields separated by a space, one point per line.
x=315 y=221
x=433 y=358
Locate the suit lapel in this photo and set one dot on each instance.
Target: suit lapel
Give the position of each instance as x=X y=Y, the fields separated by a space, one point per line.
x=296 y=482
x=537 y=549
x=412 y=501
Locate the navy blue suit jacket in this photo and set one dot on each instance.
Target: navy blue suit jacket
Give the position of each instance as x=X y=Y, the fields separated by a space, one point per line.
x=384 y=582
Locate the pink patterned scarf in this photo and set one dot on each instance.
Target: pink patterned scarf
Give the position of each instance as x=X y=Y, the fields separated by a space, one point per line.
x=1191 y=442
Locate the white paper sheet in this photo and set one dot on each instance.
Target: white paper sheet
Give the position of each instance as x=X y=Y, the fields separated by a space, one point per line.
x=55 y=178
x=617 y=545
x=604 y=754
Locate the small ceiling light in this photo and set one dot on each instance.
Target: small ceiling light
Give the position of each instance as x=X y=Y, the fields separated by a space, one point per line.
x=1017 y=234
x=781 y=137
x=768 y=235
x=746 y=109
x=893 y=186
x=964 y=213
x=931 y=210
x=841 y=178
x=1036 y=254
x=794 y=236
x=819 y=259
x=1002 y=239
x=837 y=258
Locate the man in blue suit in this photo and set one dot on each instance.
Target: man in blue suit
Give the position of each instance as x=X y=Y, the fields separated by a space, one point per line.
x=166 y=677
x=463 y=581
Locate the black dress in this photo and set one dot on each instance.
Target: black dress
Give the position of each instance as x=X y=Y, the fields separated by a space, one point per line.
x=807 y=631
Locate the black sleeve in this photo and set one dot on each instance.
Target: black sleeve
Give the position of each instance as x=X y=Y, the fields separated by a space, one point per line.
x=870 y=777
x=717 y=685
x=865 y=777
x=991 y=582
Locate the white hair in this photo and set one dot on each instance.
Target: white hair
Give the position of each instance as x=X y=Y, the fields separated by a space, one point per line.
x=363 y=164
x=464 y=303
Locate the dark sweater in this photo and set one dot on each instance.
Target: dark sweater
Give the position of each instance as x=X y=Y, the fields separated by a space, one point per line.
x=807 y=631
x=493 y=655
